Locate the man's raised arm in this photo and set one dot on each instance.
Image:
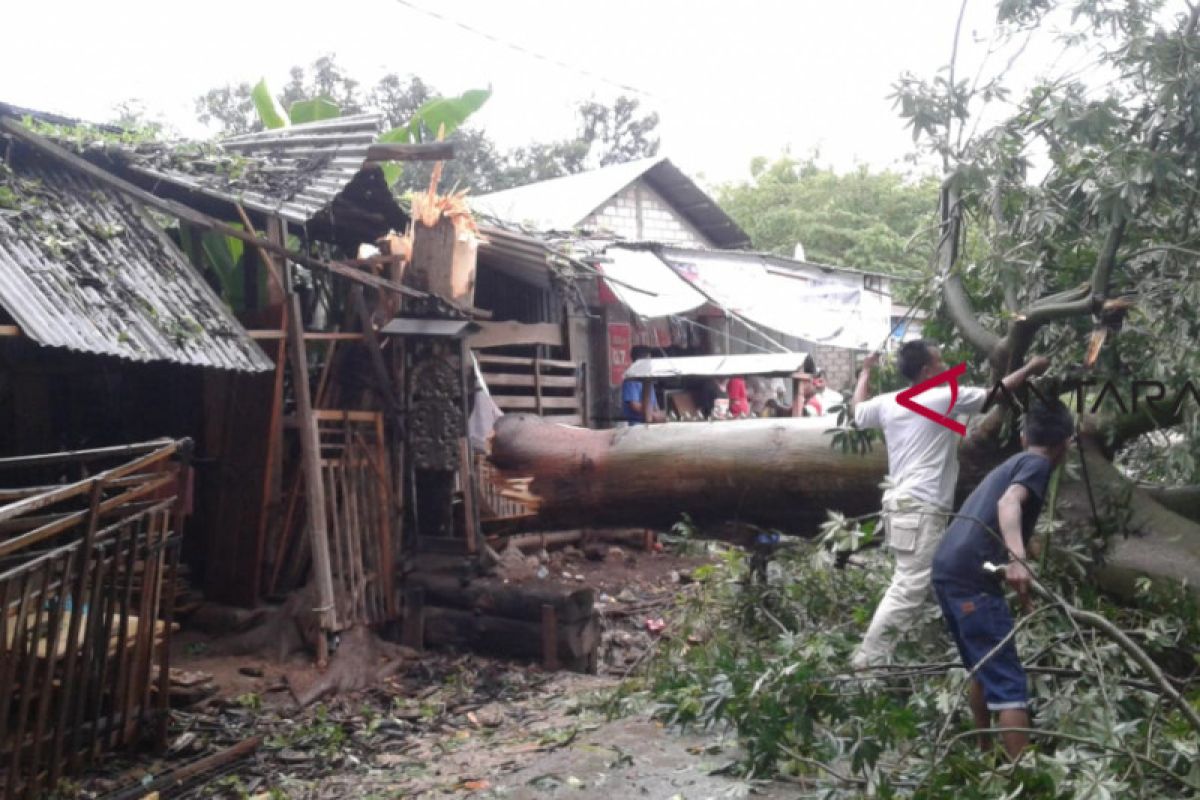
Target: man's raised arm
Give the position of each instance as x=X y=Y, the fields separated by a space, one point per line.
x=1035 y=366
x=863 y=388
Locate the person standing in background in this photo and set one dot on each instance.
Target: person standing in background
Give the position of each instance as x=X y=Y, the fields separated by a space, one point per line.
x=631 y=395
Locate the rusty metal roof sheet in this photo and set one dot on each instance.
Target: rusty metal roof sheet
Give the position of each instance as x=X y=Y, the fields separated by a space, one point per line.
x=294 y=172
x=84 y=267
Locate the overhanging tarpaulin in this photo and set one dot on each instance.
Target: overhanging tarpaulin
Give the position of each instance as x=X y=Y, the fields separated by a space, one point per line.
x=717 y=366
x=663 y=293
x=817 y=309
x=827 y=311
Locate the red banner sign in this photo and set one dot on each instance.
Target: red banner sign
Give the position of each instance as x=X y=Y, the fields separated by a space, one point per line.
x=620 y=346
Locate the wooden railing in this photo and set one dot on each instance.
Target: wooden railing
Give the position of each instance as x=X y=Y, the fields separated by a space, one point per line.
x=87 y=576
x=548 y=387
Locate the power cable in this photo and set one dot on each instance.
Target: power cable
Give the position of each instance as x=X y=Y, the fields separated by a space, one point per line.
x=525 y=50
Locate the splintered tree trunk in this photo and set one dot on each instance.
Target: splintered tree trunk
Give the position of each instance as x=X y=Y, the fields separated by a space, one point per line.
x=783 y=473
x=779 y=473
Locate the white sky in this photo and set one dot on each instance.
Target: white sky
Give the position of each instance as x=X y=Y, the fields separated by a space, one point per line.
x=730 y=80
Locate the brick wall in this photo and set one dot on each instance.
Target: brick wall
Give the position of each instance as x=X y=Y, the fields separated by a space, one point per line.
x=639 y=213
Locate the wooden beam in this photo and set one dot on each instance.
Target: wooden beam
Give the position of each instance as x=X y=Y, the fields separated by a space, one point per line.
x=396 y=151
x=518 y=361
x=499 y=334
x=267 y=335
x=375 y=352
x=10 y=330
x=191 y=215
x=314 y=485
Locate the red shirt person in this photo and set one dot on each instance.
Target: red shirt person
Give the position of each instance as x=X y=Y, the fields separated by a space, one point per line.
x=739 y=403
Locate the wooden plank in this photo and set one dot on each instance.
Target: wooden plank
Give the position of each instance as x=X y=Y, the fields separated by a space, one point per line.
x=337 y=415
x=530 y=402
x=423 y=151
x=315 y=495
x=519 y=379
x=10 y=330
x=523 y=362
x=500 y=334
x=260 y=335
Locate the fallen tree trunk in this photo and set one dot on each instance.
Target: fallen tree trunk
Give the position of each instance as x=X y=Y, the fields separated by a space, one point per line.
x=778 y=473
x=782 y=473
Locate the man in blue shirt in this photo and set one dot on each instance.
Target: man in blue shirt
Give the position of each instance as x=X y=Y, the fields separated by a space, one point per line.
x=631 y=394
x=994 y=525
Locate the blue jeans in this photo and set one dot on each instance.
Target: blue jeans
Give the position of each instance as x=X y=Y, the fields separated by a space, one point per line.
x=978 y=621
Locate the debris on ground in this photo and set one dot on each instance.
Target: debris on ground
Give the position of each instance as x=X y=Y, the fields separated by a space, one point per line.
x=446 y=724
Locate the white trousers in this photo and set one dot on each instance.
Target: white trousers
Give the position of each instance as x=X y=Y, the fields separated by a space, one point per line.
x=913 y=531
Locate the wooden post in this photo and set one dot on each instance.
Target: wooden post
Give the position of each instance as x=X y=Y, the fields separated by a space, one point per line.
x=272 y=475
x=315 y=494
x=470 y=521
x=432 y=256
x=537 y=381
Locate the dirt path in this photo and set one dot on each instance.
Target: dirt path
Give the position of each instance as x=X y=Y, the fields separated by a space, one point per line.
x=454 y=725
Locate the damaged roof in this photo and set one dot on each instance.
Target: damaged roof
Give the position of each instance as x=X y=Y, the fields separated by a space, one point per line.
x=294 y=172
x=562 y=204
x=84 y=267
x=314 y=176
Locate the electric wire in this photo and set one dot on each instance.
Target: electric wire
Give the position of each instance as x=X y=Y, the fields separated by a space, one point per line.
x=517 y=48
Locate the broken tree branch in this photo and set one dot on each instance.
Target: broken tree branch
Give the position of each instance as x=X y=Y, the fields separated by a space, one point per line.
x=1183 y=500
x=958 y=305
x=954 y=294
x=191 y=215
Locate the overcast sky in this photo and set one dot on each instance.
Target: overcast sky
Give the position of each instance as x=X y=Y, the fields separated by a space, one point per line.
x=730 y=80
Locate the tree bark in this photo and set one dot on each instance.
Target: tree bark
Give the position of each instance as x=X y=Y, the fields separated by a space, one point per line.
x=778 y=472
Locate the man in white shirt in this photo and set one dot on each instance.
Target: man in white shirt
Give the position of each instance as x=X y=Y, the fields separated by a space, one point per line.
x=923 y=469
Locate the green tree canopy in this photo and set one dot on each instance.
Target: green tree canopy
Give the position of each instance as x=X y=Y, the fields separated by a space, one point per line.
x=870 y=220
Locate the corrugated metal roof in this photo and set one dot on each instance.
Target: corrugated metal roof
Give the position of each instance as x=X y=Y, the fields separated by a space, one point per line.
x=562 y=204
x=84 y=267
x=293 y=172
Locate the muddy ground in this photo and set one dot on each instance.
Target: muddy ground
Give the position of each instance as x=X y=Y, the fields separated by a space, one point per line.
x=453 y=724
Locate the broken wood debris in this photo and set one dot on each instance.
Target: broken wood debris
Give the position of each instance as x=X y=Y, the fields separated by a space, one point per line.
x=86 y=612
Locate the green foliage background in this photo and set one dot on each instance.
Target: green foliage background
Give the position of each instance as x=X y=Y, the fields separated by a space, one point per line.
x=880 y=221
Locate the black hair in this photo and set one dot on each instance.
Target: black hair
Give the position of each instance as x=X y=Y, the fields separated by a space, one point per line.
x=913 y=357
x=1048 y=423
x=641 y=351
